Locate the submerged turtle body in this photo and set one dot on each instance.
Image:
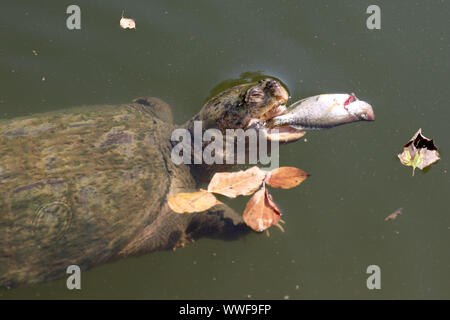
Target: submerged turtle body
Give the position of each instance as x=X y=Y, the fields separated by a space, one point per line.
x=82 y=180
x=88 y=185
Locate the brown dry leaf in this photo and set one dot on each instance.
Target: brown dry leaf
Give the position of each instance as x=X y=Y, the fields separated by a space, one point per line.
x=192 y=202
x=286 y=177
x=127 y=23
x=272 y=204
x=420 y=152
x=233 y=184
x=261 y=212
x=394 y=214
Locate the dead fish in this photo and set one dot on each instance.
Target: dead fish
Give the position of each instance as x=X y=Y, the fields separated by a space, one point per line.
x=324 y=111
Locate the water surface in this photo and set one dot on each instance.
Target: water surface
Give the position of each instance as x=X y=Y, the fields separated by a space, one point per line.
x=335 y=228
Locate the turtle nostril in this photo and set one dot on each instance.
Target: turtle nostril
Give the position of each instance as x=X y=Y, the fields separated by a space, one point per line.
x=273 y=84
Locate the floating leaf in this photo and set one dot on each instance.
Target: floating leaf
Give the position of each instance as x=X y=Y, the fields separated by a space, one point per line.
x=192 y=202
x=394 y=214
x=127 y=23
x=261 y=212
x=420 y=152
x=271 y=204
x=414 y=163
x=233 y=184
x=286 y=177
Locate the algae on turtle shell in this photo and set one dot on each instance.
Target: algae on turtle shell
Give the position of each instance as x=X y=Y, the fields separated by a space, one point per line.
x=76 y=191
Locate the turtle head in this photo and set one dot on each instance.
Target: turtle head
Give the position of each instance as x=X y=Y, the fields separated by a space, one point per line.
x=244 y=107
x=241 y=106
x=260 y=106
x=264 y=100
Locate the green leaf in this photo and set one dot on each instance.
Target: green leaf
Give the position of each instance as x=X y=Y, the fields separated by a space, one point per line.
x=416 y=162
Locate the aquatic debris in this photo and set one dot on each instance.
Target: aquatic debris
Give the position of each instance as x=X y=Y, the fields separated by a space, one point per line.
x=286 y=177
x=261 y=211
x=192 y=202
x=420 y=152
x=394 y=214
x=233 y=184
x=127 y=23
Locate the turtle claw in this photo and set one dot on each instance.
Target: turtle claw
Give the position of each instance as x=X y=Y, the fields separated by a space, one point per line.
x=278 y=225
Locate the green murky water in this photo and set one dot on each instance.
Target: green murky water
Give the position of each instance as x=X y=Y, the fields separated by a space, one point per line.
x=335 y=224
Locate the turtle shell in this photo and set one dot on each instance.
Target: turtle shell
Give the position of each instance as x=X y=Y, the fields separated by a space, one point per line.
x=77 y=185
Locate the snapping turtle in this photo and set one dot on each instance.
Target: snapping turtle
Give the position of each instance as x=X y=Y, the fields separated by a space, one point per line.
x=89 y=185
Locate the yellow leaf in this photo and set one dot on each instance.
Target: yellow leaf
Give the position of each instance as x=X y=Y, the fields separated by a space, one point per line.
x=233 y=184
x=192 y=202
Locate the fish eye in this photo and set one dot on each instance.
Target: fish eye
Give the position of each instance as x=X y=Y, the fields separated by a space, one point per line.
x=364 y=116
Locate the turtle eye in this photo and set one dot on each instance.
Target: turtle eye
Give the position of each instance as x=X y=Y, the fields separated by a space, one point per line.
x=254 y=96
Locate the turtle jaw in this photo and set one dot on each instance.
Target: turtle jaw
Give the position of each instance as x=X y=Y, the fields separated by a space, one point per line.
x=277 y=103
x=284 y=134
x=274 y=106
